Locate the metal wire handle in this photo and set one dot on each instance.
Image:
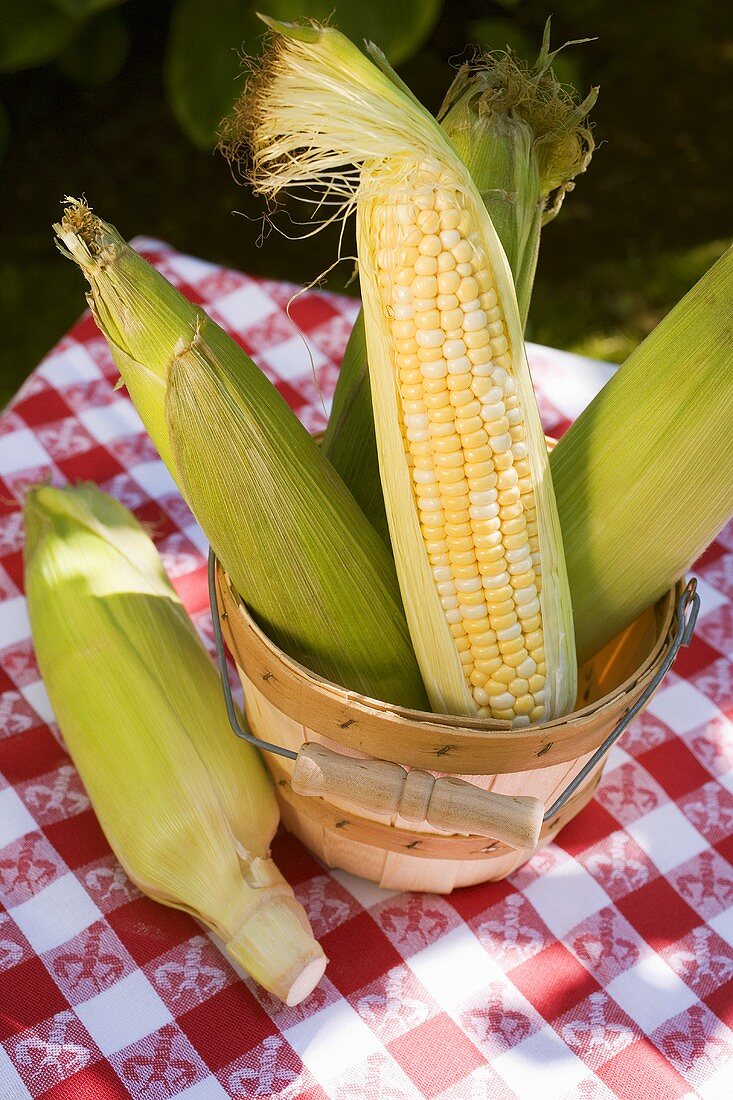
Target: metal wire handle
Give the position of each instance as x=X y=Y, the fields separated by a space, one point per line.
x=688 y=607
x=221 y=660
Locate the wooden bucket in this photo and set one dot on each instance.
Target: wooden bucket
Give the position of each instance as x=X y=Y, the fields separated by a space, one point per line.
x=288 y=705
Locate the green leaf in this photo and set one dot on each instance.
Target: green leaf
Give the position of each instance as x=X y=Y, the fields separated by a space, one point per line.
x=202 y=62
x=83 y=9
x=31 y=33
x=398 y=27
x=98 y=52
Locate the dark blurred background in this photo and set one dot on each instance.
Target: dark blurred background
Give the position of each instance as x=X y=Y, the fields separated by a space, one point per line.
x=120 y=102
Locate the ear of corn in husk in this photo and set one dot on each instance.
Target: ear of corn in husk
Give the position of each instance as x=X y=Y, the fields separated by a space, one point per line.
x=294 y=542
x=349 y=441
x=188 y=810
x=462 y=456
x=644 y=477
x=523 y=137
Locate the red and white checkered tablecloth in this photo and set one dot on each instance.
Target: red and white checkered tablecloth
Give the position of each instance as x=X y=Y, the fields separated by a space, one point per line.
x=601 y=969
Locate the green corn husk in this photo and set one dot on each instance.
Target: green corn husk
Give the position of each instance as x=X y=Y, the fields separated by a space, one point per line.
x=349 y=441
x=271 y=505
x=644 y=477
x=187 y=808
x=524 y=138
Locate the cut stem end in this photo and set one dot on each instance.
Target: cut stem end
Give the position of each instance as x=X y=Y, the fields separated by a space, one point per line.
x=276 y=946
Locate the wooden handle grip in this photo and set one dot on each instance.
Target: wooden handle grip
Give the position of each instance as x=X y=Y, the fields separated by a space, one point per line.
x=447 y=803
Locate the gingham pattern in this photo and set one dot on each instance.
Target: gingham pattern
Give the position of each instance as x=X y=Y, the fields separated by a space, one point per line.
x=602 y=968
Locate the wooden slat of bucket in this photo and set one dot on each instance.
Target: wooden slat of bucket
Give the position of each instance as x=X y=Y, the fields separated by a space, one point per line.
x=430 y=876
x=546 y=784
x=458 y=746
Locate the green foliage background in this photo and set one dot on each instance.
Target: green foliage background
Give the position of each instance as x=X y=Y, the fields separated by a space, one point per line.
x=120 y=101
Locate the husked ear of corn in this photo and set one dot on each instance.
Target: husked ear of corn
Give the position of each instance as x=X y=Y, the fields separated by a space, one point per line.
x=462 y=455
x=187 y=808
x=644 y=476
x=524 y=137
x=295 y=544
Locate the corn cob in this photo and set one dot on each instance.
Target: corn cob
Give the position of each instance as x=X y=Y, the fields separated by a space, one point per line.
x=523 y=137
x=644 y=477
x=271 y=505
x=188 y=810
x=462 y=456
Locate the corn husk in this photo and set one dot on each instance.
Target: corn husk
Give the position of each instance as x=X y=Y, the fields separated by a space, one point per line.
x=321 y=115
x=349 y=440
x=524 y=138
x=271 y=505
x=187 y=808
x=644 y=477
